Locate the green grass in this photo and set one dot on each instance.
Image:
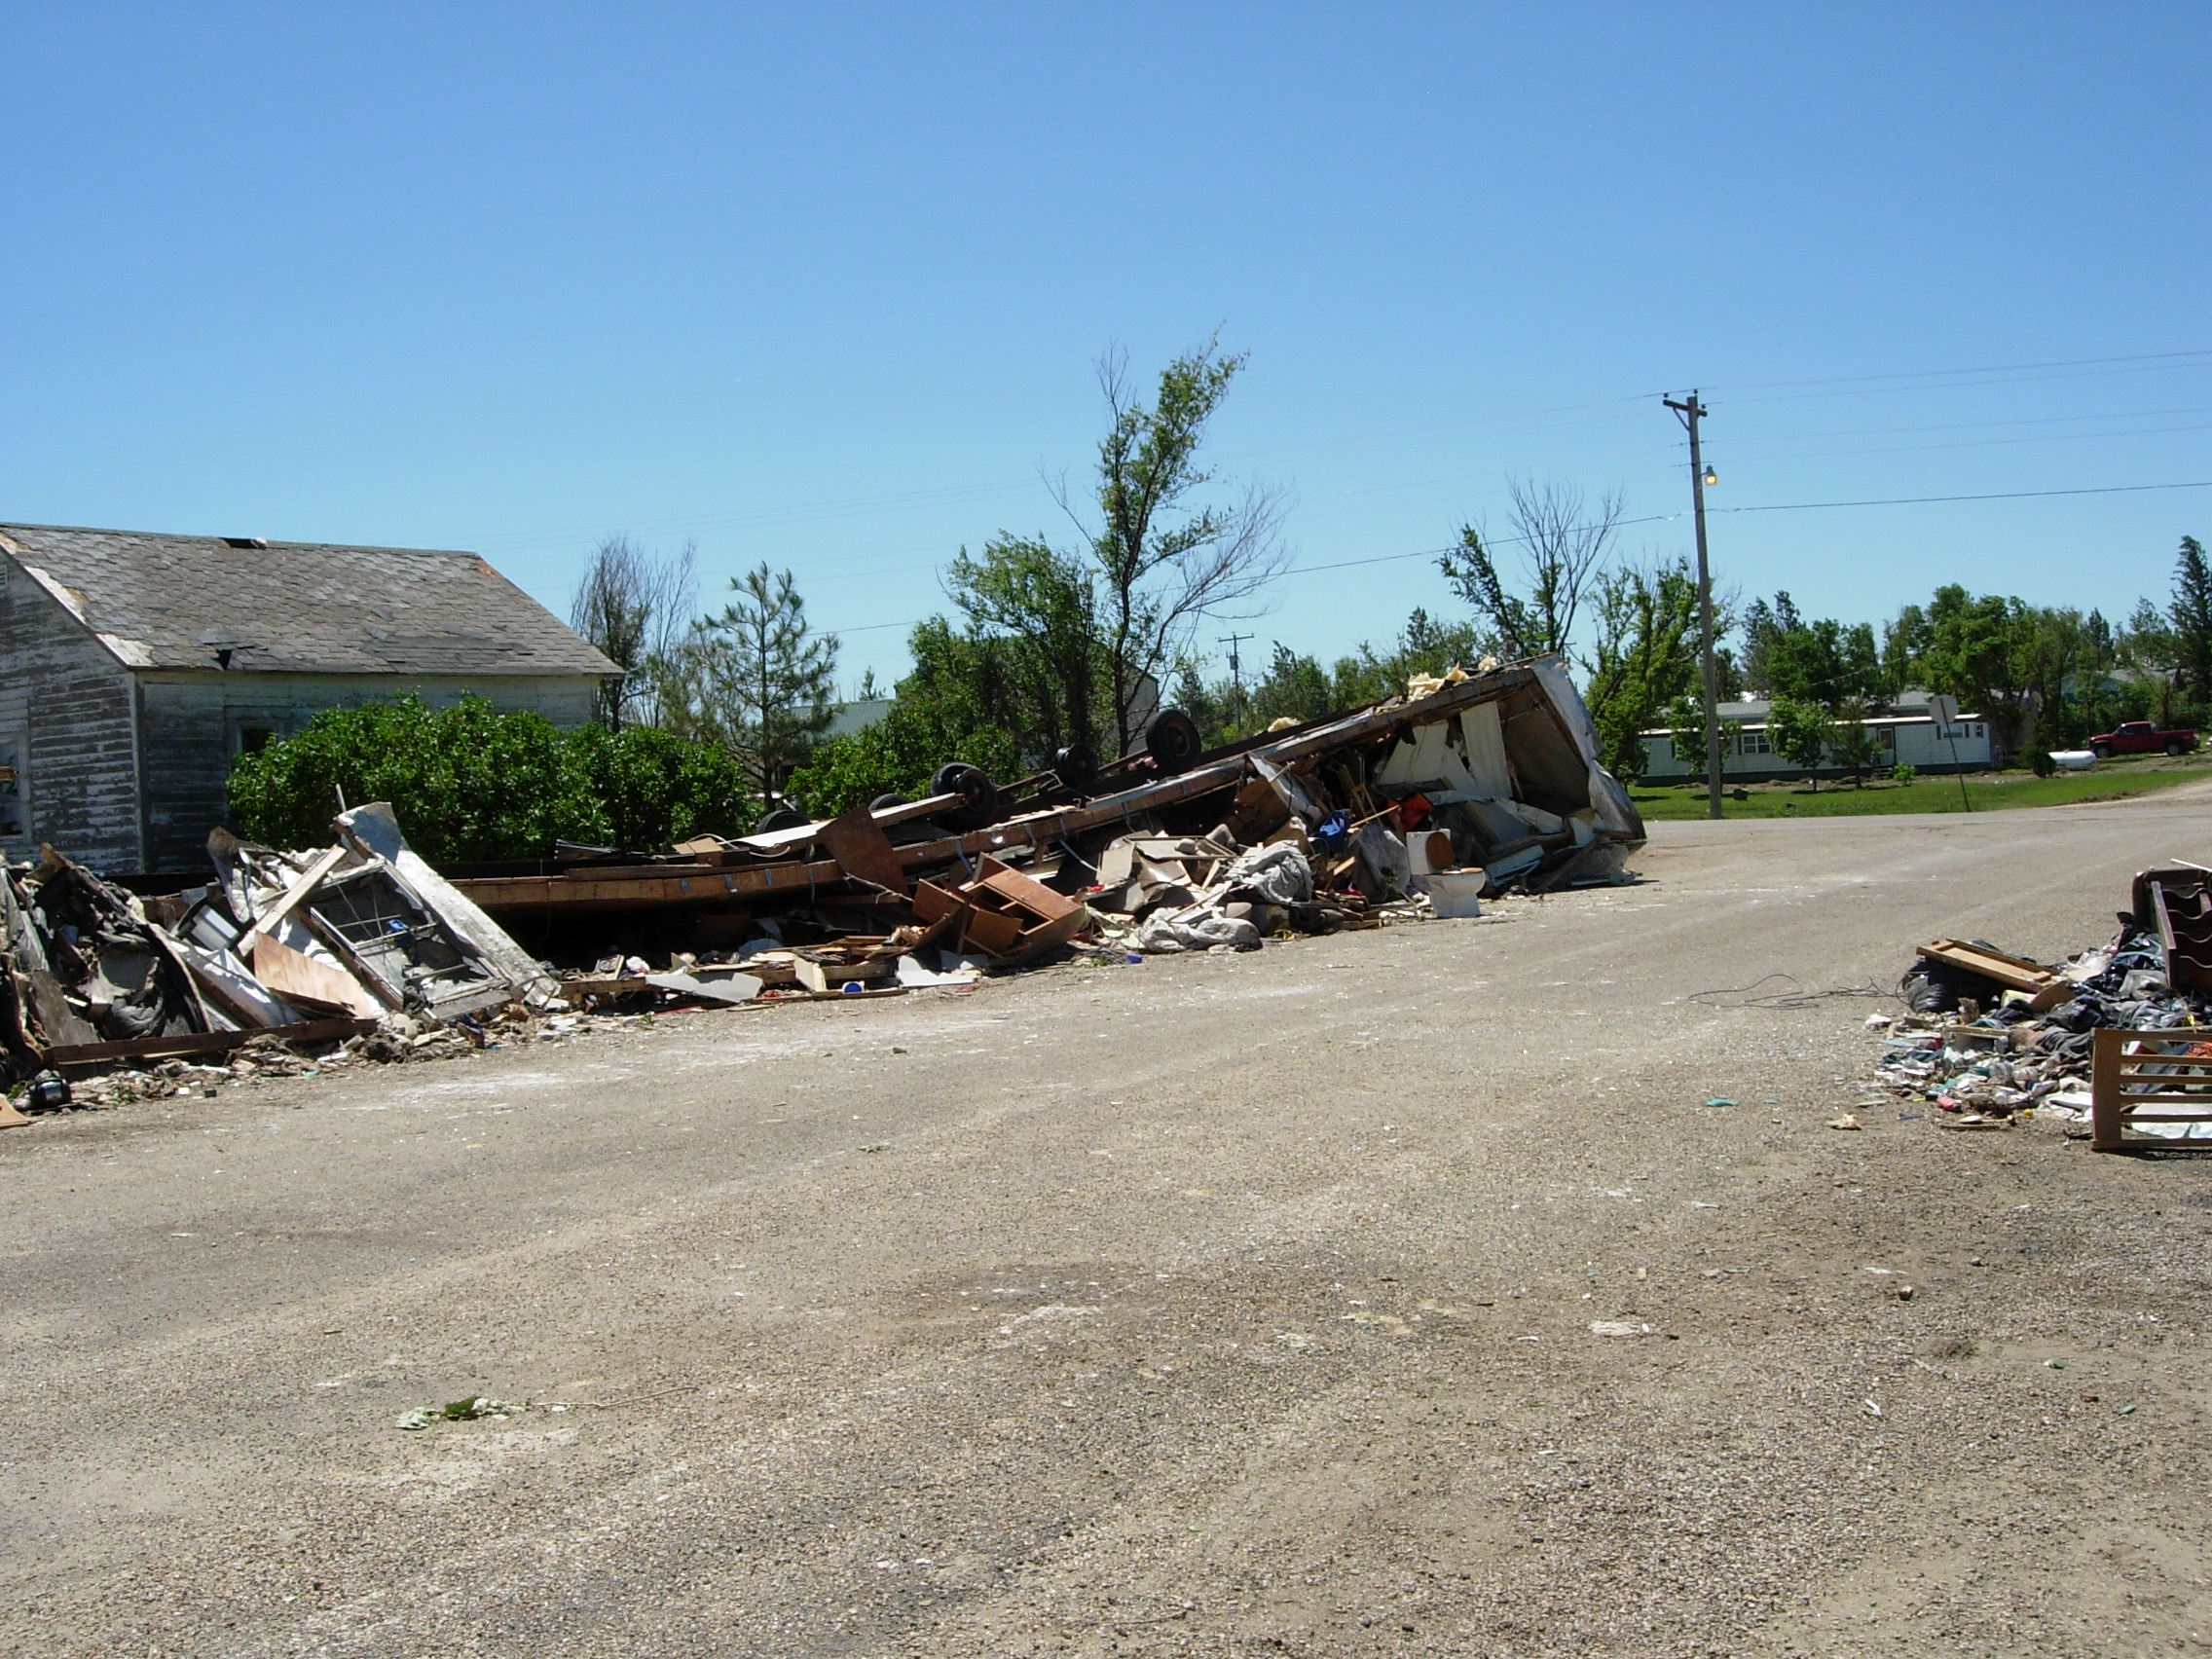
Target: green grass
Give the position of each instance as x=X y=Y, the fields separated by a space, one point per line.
x=1989 y=791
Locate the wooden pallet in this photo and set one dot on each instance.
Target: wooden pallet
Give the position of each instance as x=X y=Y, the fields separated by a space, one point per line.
x=2132 y=1076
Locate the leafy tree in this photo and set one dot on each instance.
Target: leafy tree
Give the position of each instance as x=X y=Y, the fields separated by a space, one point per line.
x=1295 y=688
x=1643 y=661
x=1038 y=610
x=941 y=711
x=1821 y=661
x=634 y=604
x=1904 y=643
x=1852 y=741
x=2150 y=649
x=1802 y=733
x=1763 y=624
x=1164 y=560
x=1564 y=538
x=757 y=679
x=1975 y=652
x=2191 y=616
x=2058 y=652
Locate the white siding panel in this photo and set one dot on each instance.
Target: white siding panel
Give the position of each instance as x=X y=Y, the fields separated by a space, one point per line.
x=66 y=700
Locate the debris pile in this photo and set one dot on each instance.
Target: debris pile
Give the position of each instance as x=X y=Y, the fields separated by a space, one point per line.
x=1468 y=785
x=359 y=952
x=288 y=963
x=2107 y=1043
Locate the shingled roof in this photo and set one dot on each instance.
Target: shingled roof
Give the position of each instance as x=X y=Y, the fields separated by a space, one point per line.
x=296 y=607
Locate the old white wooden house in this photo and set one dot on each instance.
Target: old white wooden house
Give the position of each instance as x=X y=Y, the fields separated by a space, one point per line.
x=135 y=668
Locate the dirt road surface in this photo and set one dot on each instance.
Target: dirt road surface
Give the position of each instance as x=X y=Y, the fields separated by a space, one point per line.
x=1232 y=1306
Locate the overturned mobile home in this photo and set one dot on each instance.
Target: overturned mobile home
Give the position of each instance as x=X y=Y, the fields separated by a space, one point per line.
x=1470 y=783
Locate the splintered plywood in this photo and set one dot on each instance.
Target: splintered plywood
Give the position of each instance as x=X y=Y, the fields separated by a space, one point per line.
x=298 y=977
x=862 y=850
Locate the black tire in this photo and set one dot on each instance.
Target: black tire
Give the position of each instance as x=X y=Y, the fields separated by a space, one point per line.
x=885 y=801
x=1173 y=742
x=2175 y=745
x=2102 y=751
x=979 y=796
x=1076 y=765
x=783 y=818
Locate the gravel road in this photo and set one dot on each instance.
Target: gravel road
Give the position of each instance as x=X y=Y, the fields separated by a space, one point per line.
x=1235 y=1305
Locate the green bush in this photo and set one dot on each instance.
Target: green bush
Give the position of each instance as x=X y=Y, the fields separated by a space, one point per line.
x=1903 y=772
x=472 y=785
x=654 y=787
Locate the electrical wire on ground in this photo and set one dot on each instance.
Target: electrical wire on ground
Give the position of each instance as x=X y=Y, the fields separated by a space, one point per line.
x=1794 y=996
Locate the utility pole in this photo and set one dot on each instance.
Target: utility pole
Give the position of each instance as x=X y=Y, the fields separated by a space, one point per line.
x=1690 y=411
x=1235 y=669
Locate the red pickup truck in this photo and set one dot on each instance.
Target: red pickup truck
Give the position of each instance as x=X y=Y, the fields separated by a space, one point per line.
x=2141 y=737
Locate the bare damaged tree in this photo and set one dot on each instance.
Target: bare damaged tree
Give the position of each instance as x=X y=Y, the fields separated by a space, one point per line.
x=635 y=606
x=1564 y=538
x=1165 y=566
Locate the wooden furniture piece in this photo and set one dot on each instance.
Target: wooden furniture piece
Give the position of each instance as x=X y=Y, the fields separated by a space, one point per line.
x=2138 y=1078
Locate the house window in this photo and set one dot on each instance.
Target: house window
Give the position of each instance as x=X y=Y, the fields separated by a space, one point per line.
x=1755 y=743
x=12 y=818
x=1886 y=739
x=253 y=739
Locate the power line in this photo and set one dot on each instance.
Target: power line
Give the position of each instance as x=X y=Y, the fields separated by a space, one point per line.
x=1968 y=384
x=1975 y=443
x=1664 y=518
x=1963 y=426
x=1984 y=369
x=514 y=541
x=1995 y=496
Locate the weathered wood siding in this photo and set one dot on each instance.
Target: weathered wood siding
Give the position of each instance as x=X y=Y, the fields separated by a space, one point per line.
x=196 y=721
x=66 y=702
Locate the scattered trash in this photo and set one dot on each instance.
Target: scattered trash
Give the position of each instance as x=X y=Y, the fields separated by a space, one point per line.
x=1618 y=1328
x=1996 y=1040
x=466 y=1410
x=1720 y=1102
x=1847 y=1121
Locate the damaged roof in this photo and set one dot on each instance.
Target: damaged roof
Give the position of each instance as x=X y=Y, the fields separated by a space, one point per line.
x=242 y=604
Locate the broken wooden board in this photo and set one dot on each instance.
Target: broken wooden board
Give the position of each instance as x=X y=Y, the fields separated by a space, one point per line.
x=9 y=1118
x=2045 y=989
x=299 y=978
x=826 y=973
x=862 y=850
x=202 y=1043
x=309 y=880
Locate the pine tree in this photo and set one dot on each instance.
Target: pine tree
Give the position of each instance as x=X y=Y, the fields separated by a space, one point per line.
x=2191 y=614
x=757 y=678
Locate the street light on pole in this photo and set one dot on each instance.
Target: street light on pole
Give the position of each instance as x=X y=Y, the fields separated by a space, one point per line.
x=1690 y=411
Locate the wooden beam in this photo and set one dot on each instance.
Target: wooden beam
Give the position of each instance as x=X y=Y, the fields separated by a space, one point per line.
x=309 y=879
x=201 y=1043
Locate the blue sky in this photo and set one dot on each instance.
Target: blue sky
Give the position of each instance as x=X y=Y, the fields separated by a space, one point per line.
x=823 y=285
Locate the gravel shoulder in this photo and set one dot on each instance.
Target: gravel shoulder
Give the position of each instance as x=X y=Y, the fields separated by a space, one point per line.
x=1220 y=1305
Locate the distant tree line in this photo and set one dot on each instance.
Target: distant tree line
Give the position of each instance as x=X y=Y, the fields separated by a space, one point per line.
x=1062 y=647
